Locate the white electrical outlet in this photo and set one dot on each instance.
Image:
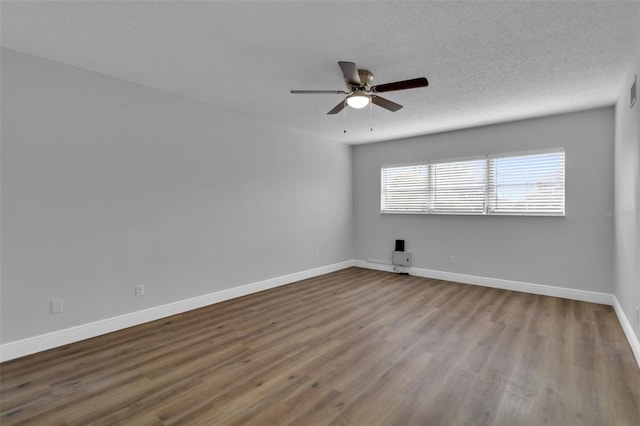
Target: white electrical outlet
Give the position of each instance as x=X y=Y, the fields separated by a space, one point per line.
x=317 y=255
x=452 y=260
x=139 y=290
x=56 y=306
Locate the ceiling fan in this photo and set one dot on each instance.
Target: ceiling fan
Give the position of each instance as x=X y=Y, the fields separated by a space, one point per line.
x=360 y=91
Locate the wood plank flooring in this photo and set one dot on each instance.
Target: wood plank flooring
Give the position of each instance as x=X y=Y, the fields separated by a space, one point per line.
x=355 y=347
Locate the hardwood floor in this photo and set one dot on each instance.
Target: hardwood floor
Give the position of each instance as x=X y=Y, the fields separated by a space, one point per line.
x=355 y=347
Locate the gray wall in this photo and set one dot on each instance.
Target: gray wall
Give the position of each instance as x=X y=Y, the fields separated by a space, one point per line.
x=575 y=251
x=627 y=201
x=107 y=184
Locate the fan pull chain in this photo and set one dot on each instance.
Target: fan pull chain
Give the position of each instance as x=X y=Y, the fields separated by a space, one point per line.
x=344 y=119
x=371 y=116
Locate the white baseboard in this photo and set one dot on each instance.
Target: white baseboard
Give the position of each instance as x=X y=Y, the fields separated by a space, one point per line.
x=54 y=339
x=628 y=329
x=545 y=290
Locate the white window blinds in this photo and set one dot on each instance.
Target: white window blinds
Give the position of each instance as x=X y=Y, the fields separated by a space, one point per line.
x=529 y=183
x=458 y=187
x=404 y=189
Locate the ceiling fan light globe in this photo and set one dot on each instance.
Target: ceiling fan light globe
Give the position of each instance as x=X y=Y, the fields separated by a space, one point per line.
x=358 y=101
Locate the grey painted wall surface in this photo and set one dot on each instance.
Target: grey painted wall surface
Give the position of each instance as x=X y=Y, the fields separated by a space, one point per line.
x=107 y=184
x=575 y=251
x=627 y=201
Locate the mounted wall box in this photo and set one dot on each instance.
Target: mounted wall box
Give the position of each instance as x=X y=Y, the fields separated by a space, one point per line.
x=401 y=258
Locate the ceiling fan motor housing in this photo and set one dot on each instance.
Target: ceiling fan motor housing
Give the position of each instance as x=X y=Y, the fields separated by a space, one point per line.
x=366 y=78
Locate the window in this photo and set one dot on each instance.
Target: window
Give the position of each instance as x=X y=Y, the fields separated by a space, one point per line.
x=458 y=187
x=530 y=183
x=527 y=184
x=404 y=189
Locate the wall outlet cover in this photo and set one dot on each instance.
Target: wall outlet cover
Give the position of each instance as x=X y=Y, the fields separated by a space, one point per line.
x=56 y=306
x=139 y=291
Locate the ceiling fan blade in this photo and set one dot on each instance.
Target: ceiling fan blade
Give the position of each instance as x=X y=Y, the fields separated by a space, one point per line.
x=401 y=85
x=297 y=92
x=336 y=109
x=350 y=73
x=385 y=103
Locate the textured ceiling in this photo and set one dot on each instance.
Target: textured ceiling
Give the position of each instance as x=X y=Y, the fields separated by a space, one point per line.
x=486 y=61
